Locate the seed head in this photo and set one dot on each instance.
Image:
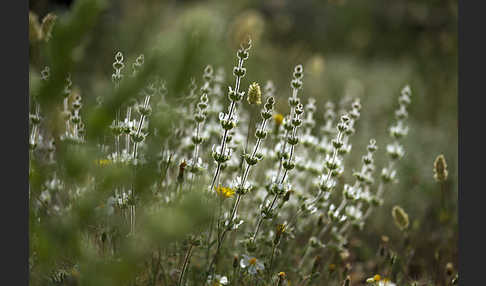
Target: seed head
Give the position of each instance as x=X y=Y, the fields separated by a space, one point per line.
x=449 y=269
x=440 y=169
x=46 y=26
x=400 y=217
x=254 y=94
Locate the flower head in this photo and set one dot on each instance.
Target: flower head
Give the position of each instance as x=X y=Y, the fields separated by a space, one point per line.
x=278 y=119
x=225 y=192
x=103 y=162
x=254 y=94
x=252 y=264
x=218 y=280
x=440 y=169
x=386 y=282
x=282 y=277
x=377 y=280
x=400 y=217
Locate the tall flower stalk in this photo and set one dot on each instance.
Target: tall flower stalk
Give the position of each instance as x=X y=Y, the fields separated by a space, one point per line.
x=286 y=159
x=394 y=150
x=228 y=120
x=242 y=185
x=199 y=119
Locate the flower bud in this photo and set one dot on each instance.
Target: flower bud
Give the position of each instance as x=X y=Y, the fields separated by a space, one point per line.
x=288 y=165
x=449 y=269
x=260 y=134
x=242 y=54
x=296 y=83
x=239 y=71
x=298 y=72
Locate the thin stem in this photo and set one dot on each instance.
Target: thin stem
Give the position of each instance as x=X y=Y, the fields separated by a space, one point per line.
x=304 y=257
x=235 y=274
x=195 y=156
x=230 y=115
x=184 y=266
x=117 y=137
x=127 y=136
x=271 y=260
x=260 y=220
x=139 y=129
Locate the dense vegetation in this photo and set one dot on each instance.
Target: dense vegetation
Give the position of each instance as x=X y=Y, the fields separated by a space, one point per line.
x=246 y=143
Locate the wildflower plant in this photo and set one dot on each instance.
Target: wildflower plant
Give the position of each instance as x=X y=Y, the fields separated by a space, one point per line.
x=170 y=193
x=228 y=120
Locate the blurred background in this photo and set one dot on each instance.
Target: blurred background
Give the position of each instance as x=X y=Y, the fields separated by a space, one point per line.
x=365 y=48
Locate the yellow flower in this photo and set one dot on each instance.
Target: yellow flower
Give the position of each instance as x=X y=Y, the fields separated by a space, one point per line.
x=225 y=192
x=281 y=228
x=102 y=162
x=281 y=278
x=377 y=277
x=278 y=118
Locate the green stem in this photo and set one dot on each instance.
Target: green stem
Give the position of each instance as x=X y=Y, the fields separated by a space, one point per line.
x=184 y=267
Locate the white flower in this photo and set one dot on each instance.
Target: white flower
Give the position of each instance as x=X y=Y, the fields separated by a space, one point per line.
x=386 y=283
x=45 y=197
x=236 y=223
x=237 y=183
x=365 y=196
x=309 y=140
x=252 y=264
x=352 y=192
x=354 y=212
x=399 y=129
x=218 y=280
x=395 y=150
